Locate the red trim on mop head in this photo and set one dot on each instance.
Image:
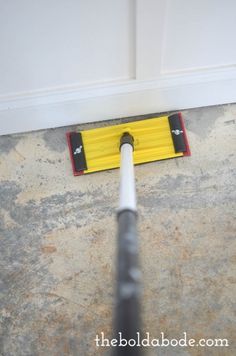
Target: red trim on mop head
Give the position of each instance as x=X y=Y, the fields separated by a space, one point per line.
x=187 y=152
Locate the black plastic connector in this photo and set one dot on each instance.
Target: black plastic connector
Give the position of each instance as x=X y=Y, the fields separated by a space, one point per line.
x=127 y=138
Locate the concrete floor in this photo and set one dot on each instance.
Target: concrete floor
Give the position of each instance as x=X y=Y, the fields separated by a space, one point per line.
x=57 y=243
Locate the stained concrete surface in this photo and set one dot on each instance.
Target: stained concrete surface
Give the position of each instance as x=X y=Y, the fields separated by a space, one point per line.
x=57 y=243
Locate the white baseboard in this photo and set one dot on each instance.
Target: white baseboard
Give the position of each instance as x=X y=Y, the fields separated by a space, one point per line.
x=75 y=105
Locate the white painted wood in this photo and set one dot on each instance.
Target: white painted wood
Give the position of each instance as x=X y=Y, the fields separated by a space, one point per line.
x=69 y=62
x=150 y=23
x=50 y=44
x=127 y=99
x=198 y=35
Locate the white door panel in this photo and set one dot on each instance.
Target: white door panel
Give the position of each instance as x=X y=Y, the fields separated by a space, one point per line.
x=199 y=34
x=72 y=61
x=59 y=43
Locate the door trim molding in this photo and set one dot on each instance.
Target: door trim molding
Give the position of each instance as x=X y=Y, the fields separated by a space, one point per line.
x=77 y=104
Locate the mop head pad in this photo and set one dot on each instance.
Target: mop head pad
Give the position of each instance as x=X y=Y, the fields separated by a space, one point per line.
x=154 y=139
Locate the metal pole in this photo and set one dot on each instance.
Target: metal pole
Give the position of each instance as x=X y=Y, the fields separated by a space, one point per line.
x=127 y=322
x=127 y=183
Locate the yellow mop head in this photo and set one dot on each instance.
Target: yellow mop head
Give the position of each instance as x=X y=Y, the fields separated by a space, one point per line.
x=154 y=139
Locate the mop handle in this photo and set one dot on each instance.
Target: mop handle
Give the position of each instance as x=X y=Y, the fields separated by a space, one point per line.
x=127 y=323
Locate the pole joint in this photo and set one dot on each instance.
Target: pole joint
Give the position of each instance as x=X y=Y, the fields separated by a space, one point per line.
x=127 y=138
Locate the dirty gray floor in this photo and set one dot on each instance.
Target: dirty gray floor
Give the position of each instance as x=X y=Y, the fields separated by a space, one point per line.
x=57 y=243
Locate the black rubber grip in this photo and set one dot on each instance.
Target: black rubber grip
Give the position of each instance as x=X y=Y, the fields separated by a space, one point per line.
x=127 y=316
x=77 y=151
x=177 y=133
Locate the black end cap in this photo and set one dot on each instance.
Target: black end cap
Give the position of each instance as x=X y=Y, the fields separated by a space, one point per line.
x=177 y=133
x=77 y=151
